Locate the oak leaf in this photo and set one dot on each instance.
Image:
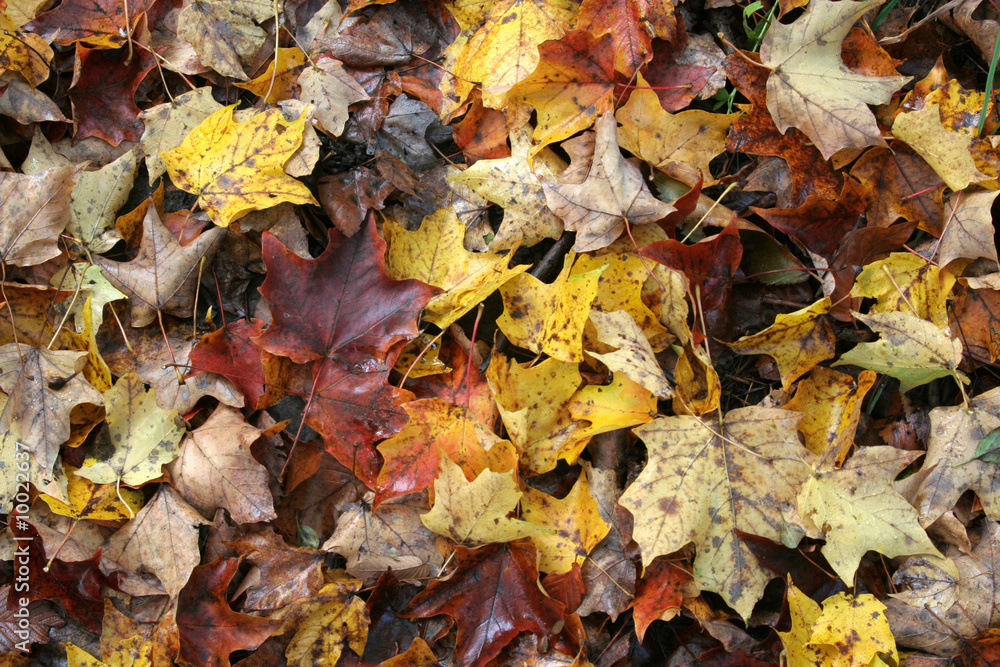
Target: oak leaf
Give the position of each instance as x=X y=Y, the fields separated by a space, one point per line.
x=235 y=168
x=613 y=195
x=493 y=595
x=797 y=341
x=215 y=469
x=702 y=482
x=435 y=254
x=855 y=509
x=912 y=350
x=42 y=387
x=811 y=88
x=164 y=275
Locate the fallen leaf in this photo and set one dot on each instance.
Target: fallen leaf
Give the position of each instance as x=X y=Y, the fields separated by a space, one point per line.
x=435 y=429
x=98 y=23
x=492 y=595
x=387 y=537
x=163 y=276
x=613 y=195
x=575 y=522
x=209 y=629
x=31 y=221
x=632 y=24
x=856 y=628
x=681 y=145
x=797 y=341
x=549 y=318
x=142 y=437
x=903 y=185
x=811 y=88
x=103 y=93
x=435 y=254
x=634 y=357
x=476 y=512
x=224 y=32
x=912 y=350
x=42 y=387
x=326 y=623
x=856 y=510
x=659 y=595
x=286 y=574
x=95 y=201
x=904 y=281
x=514 y=184
x=952 y=466
x=571 y=86
x=235 y=168
x=967 y=233
x=701 y=484
x=830 y=403
x=947 y=152
x=215 y=469
x=94 y=502
x=162 y=539
x=331 y=90
x=166 y=125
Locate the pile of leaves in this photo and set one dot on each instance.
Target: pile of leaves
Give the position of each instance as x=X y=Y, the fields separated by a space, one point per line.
x=491 y=333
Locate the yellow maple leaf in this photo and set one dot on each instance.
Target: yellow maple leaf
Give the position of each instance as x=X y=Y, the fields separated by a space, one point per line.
x=436 y=254
x=549 y=318
x=856 y=628
x=799 y=652
x=945 y=151
x=235 y=168
x=830 y=403
x=680 y=145
x=575 y=521
x=911 y=350
x=706 y=481
x=476 y=512
x=633 y=356
x=327 y=623
x=94 y=502
x=277 y=79
x=797 y=341
x=856 y=509
x=907 y=283
x=143 y=436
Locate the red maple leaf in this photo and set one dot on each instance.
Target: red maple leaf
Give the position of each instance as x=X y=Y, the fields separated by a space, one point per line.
x=209 y=629
x=493 y=595
x=231 y=353
x=99 y=23
x=342 y=299
x=103 y=93
x=77 y=585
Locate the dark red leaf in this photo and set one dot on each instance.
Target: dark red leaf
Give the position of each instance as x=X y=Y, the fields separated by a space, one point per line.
x=493 y=595
x=103 y=93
